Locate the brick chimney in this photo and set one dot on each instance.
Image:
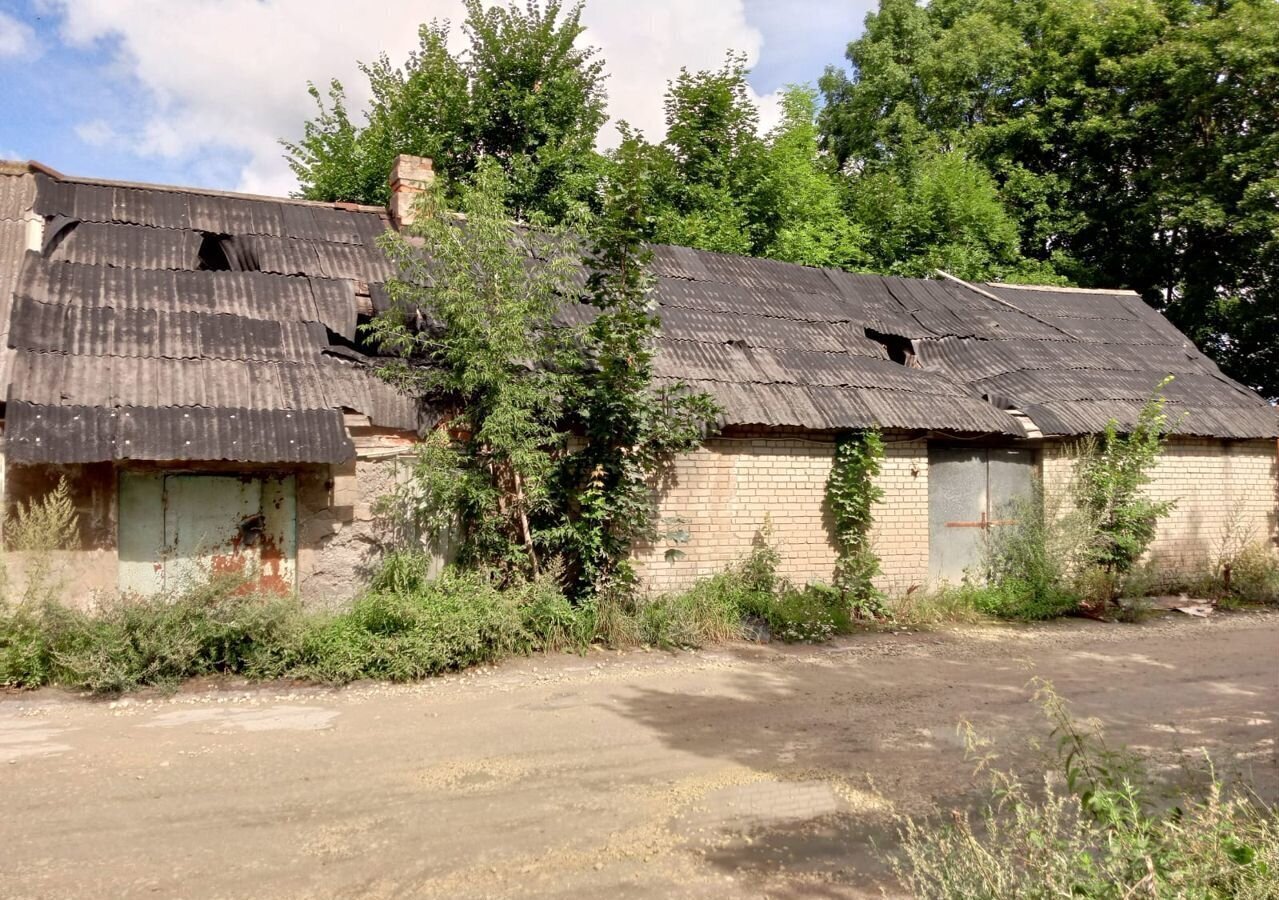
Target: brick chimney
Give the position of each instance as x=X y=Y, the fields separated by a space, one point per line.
x=410 y=176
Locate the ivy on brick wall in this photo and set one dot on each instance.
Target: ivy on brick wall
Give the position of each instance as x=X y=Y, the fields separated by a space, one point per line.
x=851 y=494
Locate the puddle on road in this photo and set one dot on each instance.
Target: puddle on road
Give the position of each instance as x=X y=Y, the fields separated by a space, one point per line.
x=270 y=718
x=29 y=737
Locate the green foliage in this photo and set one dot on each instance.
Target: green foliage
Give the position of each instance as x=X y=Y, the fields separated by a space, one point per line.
x=1110 y=474
x=632 y=428
x=522 y=93
x=460 y=619
x=708 y=173
x=809 y=615
x=214 y=628
x=519 y=385
x=1093 y=829
x=938 y=209
x=1130 y=143
x=806 y=220
x=851 y=494
x=492 y=355
x=1030 y=565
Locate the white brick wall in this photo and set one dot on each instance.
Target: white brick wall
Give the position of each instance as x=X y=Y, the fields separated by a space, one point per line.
x=724 y=491
x=1226 y=494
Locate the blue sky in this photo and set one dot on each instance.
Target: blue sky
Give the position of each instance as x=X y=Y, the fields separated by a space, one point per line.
x=197 y=91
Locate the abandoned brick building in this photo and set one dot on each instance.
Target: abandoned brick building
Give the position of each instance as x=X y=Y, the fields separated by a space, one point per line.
x=189 y=360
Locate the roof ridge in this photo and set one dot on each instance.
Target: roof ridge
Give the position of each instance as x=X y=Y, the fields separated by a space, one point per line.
x=34 y=166
x=1061 y=288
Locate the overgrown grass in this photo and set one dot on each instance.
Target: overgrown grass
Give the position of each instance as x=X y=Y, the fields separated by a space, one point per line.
x=1092 y=827
x=406 y=625
x=212 y=628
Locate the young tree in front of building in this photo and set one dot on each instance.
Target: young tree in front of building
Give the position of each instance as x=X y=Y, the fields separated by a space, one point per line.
x=632 y=427
x=553 y=434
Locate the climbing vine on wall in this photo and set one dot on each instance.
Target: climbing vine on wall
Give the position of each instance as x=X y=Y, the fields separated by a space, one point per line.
x=851 y=494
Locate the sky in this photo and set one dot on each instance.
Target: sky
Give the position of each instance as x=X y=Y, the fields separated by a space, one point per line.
x=199 y=92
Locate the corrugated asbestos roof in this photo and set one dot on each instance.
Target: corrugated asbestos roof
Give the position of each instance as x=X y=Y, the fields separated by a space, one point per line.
x=130 y=339
x=125 y=345
x=780 y=344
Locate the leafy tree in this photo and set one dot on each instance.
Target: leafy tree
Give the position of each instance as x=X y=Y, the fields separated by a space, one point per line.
x=471 y=330
x=938 y=210
x=708 y=171
x=1111 y=473
x=1133 y=141
x=809 y=224
x=522 y=94
x=632 y=428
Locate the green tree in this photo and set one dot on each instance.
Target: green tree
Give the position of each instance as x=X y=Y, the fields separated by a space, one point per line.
x=1111 y=473
x=808 y=222
x=1133 y=141
x=632 y=427
x=471 y=331
x=709 y=170
x=522 y=93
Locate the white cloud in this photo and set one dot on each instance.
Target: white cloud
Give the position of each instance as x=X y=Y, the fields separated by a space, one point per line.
x=16 y=38
x=97 y=133
x=229 y=75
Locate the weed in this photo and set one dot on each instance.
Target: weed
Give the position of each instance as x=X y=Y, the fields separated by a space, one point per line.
x=1090 y=829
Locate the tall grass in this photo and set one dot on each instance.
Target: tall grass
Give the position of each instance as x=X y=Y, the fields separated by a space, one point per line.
x=406 y=625
x=1092 y=828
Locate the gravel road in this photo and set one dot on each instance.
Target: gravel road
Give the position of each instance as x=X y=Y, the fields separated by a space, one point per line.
x=740 y=771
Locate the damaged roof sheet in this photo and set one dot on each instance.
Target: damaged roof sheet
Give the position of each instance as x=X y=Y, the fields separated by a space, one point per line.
x=124 y=337
x=130 y=342
x=780 y=344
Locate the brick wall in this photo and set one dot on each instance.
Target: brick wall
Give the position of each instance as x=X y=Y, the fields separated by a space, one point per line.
x=722 y=493
x=1226 y=494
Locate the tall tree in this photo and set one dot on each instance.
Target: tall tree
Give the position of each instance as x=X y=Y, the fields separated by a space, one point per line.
x=522 y=93
x=1133 y=141
x=808 y=222
x=710 y=165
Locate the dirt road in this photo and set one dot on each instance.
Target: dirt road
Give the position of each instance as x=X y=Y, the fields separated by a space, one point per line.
x=747 y=771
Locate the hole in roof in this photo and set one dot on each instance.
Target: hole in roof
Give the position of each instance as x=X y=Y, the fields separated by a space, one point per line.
x=223 y=253
x=360 y=349
x=56 y=230
x=900 y=349
x=213 y=257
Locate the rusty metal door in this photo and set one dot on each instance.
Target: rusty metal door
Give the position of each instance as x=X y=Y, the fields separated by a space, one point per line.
x=970 y=491
x=178 y=530
x=212 y=525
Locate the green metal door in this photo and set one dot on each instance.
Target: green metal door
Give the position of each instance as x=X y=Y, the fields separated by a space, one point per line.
x=178 y=530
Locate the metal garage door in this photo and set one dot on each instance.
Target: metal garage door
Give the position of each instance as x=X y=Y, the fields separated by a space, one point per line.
x=970 y=492
x=176 y=530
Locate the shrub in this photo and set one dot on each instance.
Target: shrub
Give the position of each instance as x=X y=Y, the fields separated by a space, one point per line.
x=1254 y=574
x=216 y=627
x=1111 y=472
x=808 y=615
x=1014 y=598
x=1091 y=829
x=458 y=620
